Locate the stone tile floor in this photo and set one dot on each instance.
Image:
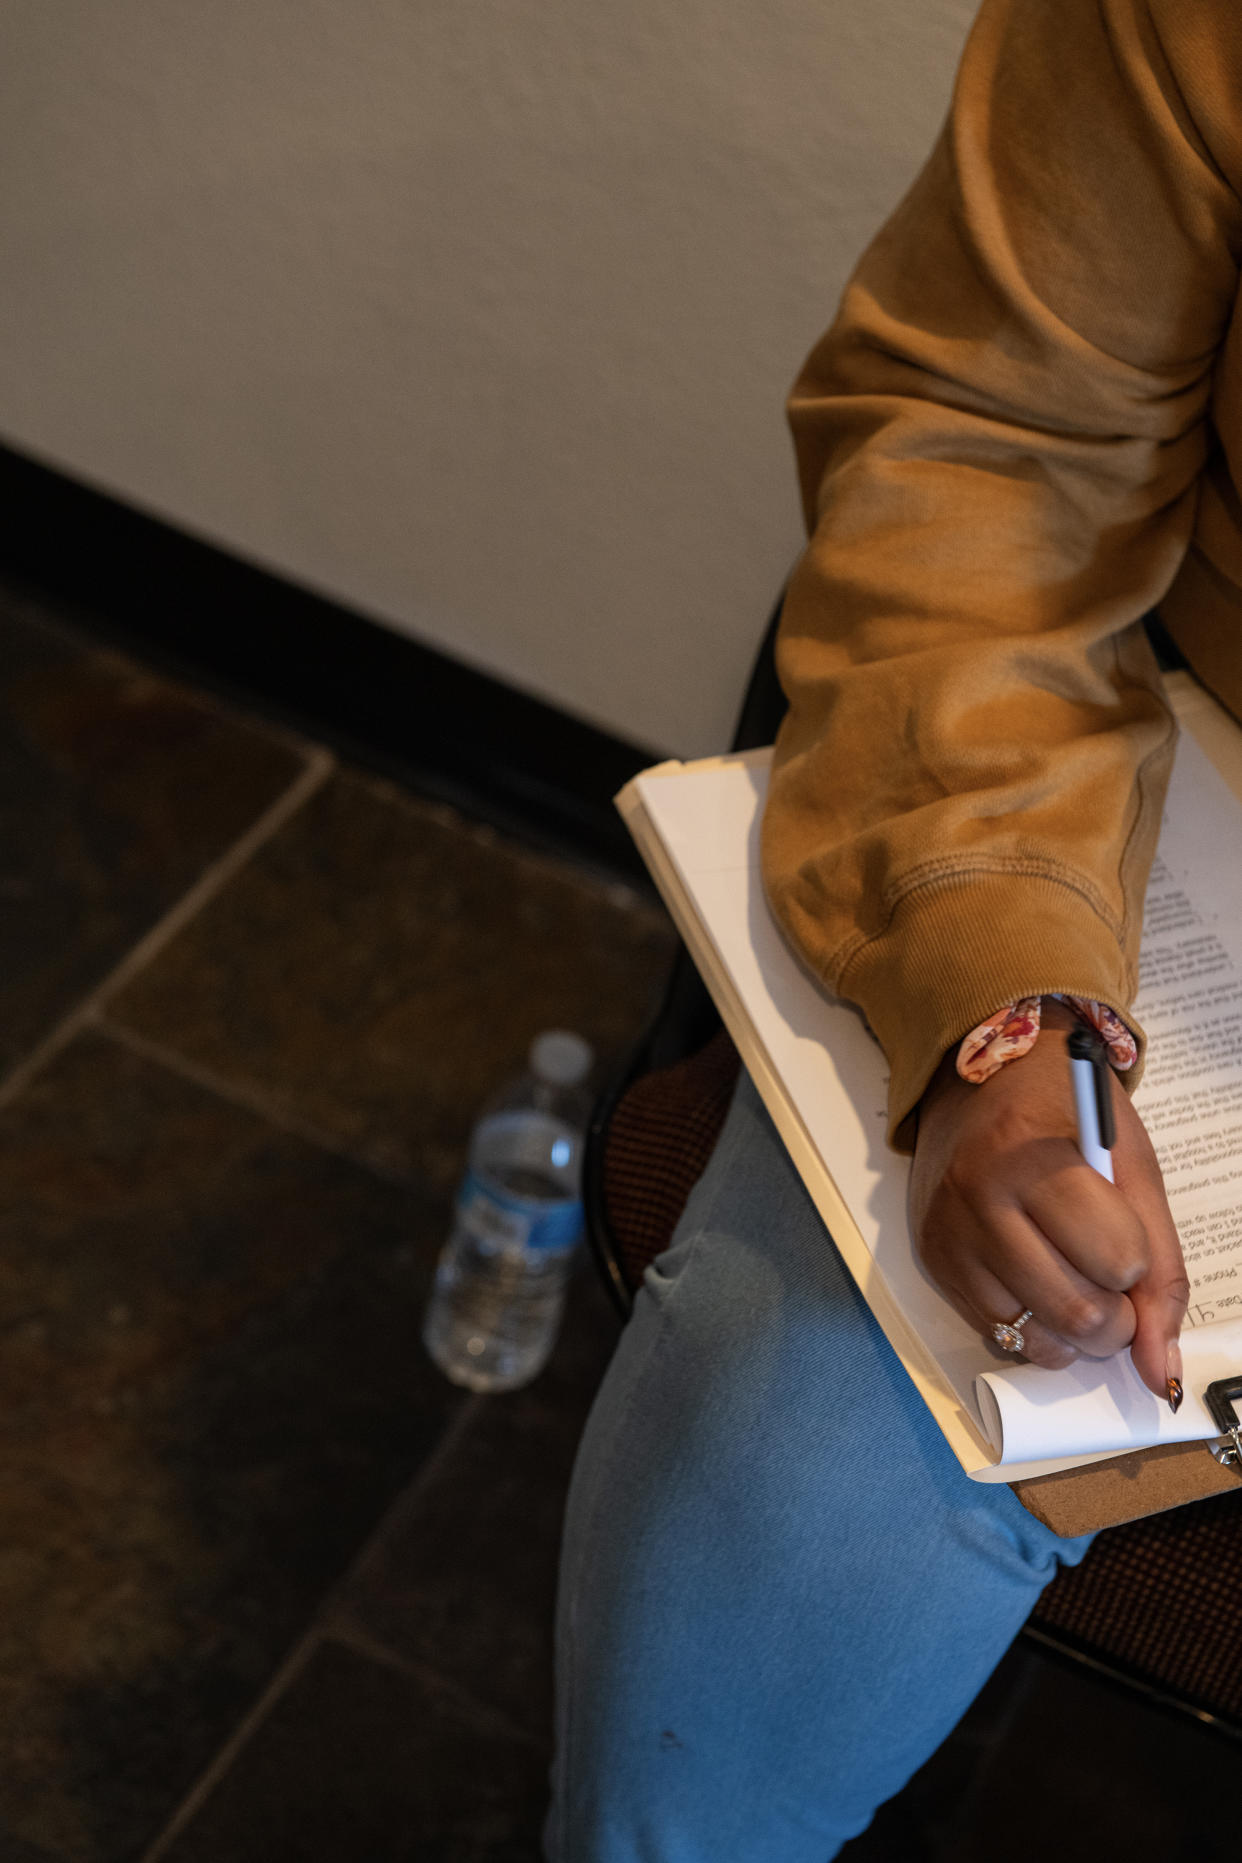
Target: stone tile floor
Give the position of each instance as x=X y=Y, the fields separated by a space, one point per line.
x=269 y=1587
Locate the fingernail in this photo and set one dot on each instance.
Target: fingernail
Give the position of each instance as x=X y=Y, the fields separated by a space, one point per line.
x=1173 y=1375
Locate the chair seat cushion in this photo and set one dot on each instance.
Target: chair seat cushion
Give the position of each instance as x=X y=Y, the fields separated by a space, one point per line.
x=661 y=1134
x=1159 y=1600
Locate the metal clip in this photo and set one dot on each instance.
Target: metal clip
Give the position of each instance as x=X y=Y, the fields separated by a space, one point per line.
x=1229 y=1454
x=1220 y=1399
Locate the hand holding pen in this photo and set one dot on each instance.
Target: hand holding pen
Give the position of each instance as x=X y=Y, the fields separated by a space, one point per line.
x=1008 y=1222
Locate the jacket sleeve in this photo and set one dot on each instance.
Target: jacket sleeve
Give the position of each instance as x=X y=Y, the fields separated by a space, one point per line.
x=999 y=441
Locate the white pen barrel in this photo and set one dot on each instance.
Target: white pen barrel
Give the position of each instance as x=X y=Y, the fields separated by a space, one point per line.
x=1088 y=1120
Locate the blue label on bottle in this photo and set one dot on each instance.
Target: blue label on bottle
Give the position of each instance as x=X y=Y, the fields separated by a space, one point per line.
x=499 y=1219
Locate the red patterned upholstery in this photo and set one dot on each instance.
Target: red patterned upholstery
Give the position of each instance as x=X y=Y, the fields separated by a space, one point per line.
x=1159 y=1600
x=661 y=1134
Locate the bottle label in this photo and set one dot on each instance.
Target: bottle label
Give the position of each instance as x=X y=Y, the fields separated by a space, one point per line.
x=500 y=1220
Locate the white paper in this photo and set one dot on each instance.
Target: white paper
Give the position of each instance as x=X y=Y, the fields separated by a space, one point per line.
x=835 y=1075
x=1104 y=1404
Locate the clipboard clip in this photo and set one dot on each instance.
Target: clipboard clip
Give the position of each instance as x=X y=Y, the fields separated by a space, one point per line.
x=1221 y=1399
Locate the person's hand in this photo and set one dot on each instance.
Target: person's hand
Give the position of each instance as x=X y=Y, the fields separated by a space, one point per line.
x=1007 y=1215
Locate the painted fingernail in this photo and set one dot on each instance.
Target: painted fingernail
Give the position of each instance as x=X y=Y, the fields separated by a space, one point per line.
x=1173 y=1376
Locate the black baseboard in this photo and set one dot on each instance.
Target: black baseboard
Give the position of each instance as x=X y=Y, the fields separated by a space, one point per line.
x=380 y=698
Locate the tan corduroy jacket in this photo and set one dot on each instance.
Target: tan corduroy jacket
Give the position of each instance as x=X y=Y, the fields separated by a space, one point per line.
x=1022 y=432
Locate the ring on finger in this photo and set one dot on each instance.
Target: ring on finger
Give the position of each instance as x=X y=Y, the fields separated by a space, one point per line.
x=1008 y=1333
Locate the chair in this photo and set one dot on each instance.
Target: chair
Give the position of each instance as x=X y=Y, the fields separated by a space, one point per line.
x=1156 y=1606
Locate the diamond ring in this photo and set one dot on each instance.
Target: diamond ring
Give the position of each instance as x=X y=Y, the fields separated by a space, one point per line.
x=1008 y=1333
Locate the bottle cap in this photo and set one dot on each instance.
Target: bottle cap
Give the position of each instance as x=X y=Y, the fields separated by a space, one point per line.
x=560 y=1057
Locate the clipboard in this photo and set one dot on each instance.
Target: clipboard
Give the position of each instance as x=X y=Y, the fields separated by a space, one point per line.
x=1147 y=1481
x=1106 y=1489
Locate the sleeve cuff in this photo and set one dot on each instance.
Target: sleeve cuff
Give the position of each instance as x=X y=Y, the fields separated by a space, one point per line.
x=957 y=945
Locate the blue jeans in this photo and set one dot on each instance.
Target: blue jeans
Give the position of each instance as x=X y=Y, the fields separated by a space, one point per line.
x=778 y=1590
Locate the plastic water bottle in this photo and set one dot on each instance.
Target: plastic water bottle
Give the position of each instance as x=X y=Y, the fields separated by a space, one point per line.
x=500 y=1285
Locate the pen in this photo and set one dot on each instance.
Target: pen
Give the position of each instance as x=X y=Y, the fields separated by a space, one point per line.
x=1097 y=1129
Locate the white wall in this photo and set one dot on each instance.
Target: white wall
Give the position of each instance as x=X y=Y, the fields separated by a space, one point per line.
x=477 y=316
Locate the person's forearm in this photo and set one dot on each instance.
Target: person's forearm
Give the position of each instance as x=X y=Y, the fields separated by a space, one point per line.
x=999 y=442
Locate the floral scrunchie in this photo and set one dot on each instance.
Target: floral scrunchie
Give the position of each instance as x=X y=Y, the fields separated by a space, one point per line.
x=1011 y=1032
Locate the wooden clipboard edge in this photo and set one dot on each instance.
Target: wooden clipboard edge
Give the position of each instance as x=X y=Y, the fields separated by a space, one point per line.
x=1128 y=1487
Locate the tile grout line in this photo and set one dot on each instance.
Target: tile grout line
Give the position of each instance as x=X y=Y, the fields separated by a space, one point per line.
x=320 y=765
x=336 y=1622
x=361 y=1642
x=318 y=1631
x=218 y=1765
x=268 y=1107
x=407 y=1500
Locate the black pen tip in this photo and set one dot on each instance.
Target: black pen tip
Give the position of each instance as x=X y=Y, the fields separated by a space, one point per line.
x=1084 y=1043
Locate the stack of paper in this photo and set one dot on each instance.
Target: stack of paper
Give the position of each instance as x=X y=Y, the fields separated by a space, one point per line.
x=824 y=1081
